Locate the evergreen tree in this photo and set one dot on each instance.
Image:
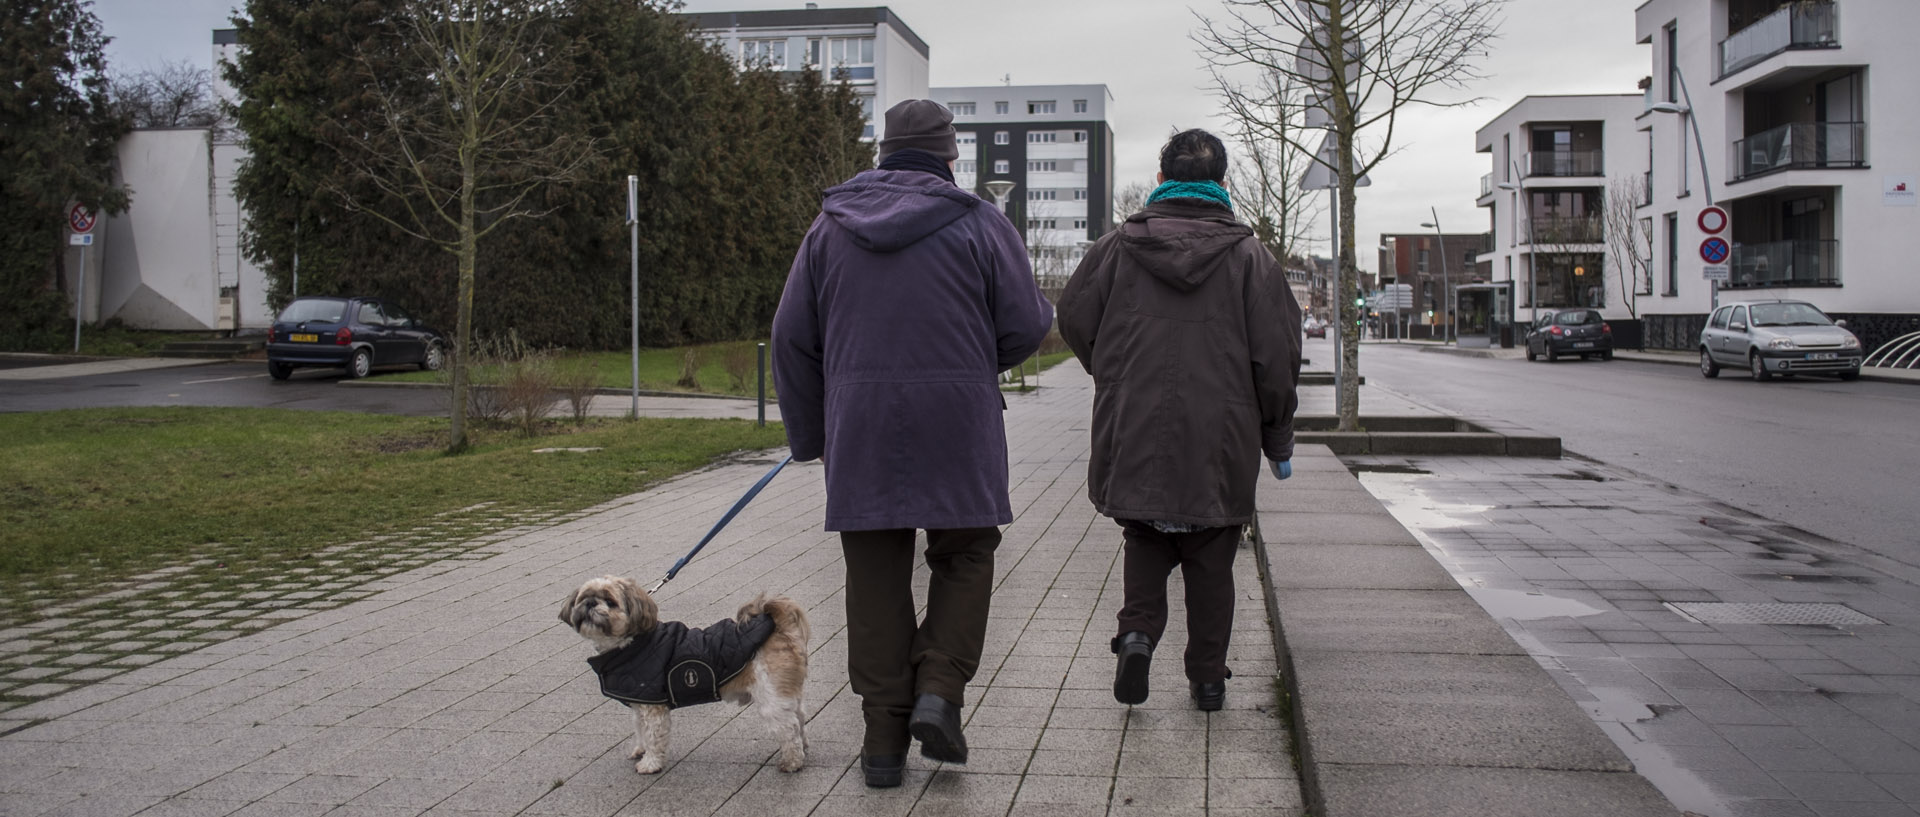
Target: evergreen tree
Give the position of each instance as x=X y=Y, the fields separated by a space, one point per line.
x=57 y=137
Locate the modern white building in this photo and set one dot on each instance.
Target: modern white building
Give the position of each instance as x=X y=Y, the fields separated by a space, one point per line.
x=1054 y=144
x=1555 y=159
x=870 y=48
x=1808 y=136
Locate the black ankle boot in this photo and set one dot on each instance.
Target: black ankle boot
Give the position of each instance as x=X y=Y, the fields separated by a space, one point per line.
x=1130 y=677
x=936 y=724
x=1210 y=696
x=883 y=771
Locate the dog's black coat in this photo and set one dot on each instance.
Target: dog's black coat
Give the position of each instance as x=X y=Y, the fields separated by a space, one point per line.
x=677 y=665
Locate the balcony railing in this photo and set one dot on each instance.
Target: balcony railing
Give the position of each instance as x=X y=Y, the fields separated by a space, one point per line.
x=1548 y=230
x=1486 y=185
x=1795 y=25
x=1785 y=263
x=1800 y=145
x=1564 y=163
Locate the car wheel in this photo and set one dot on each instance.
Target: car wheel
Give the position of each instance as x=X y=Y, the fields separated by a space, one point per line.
x=362 y=363
x=1758 y=367
x=1850 y=374
x=1552 y=356
x=436 y=358
x=279 y=371
x=1708 y=368
x=1531 y=357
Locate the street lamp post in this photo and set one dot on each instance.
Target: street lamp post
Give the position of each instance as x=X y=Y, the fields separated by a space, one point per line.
x=1000 y=189
x=1700 y=147
x=1533 y=292
x=1446 y=281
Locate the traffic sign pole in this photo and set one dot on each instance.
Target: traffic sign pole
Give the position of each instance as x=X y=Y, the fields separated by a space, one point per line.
x=81 y=220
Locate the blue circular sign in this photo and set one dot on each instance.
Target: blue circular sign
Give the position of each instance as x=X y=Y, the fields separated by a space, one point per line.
x=1714 y=250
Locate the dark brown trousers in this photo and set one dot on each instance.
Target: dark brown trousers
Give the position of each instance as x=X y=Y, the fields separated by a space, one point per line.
x=1205 y=559
x=892 y=657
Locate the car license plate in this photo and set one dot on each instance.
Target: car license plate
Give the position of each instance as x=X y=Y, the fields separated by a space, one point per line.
x=1583 y=345
x=309 y=338
x=1821 y=355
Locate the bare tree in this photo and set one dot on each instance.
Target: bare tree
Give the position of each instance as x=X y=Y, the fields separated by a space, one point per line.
x=175 y=95
x=460 y=144
x=1130 y=199
x=1266 y=179
x=1363 y=61
x=1629 y=239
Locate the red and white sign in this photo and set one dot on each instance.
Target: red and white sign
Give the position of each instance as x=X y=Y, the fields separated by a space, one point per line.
x=80 y=219
x=1712 y=220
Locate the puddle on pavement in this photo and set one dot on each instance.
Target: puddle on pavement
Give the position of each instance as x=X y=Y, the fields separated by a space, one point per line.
x=1379 y=468
x=1400 y=492
x=1528 y=605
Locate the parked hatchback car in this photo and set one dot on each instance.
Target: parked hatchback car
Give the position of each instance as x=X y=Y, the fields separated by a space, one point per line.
x=1777 y=337
x=1570 y=332
x=358 y=334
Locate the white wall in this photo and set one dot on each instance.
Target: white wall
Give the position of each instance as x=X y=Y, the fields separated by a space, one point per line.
x=159 y=254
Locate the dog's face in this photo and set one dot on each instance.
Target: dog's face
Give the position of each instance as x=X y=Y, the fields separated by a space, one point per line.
x=610 y=609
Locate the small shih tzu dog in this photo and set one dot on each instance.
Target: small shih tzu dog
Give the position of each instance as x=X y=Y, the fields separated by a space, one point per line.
x=757 y=658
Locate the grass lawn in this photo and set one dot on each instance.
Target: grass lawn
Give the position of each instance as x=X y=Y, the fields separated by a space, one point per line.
x=114 y=341
x=722 y=368
x=97 y=495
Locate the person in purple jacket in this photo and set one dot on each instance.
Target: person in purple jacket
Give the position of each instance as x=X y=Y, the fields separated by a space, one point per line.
x=907 y=299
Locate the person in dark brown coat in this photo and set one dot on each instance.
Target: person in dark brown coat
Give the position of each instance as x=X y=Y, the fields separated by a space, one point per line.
x=1192 y=336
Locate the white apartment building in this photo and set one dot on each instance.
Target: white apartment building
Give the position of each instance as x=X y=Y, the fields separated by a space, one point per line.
x=1809 y=137
x=1053 y=142
x=1555 y=159
x=870 y=48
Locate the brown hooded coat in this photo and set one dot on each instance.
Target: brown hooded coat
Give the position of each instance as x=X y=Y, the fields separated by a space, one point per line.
x=1192 y=336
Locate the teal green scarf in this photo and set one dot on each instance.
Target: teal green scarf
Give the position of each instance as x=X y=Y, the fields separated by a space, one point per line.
x=1209 y=191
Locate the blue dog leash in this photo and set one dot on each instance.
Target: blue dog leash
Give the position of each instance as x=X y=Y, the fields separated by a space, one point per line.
x=731 y=513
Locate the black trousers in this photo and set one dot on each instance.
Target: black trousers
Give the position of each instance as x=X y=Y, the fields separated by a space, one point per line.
x=892 y=657
x=1205 y=559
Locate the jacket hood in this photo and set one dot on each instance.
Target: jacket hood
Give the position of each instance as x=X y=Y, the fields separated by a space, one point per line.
x=889 y=210
x=1181 y=244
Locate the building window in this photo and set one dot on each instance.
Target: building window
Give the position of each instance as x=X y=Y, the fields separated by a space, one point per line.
x=1673 y=61
x=850 y=50
x=1000 y=166
x=1000 y=137
x=962 y=109
x=1044 y=166
x=1421 y=263
x=964 y=138
x=815 y=50
x=1042 y=224
x=1000 y=107
x=1080 y=194
x=1079 y=106
x=966 y=166
x=1079 y=136
x=1041 y=195
x=1041 y=136
x=1079 y=223
x=1645 y=285
x=1673 y=254
x=764 y=53
x=1040 y=106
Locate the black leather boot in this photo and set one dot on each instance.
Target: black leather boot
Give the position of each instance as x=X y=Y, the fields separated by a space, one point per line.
x=1210 y=696
x=936 y=724
x=883 y=771
x=1130 y=677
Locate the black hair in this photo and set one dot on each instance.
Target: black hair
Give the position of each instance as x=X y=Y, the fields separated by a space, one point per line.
x=1194 y=156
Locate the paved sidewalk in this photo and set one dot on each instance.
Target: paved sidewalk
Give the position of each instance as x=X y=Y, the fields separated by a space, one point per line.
x=90 y=367
x=454 y=690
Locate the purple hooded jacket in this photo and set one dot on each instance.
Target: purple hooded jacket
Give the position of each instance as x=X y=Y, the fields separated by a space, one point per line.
x=906 y=301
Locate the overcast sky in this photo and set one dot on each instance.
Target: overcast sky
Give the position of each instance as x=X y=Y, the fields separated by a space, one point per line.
x=1140 y=49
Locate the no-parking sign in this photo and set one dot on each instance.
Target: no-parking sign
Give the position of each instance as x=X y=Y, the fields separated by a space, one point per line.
x=80 y=219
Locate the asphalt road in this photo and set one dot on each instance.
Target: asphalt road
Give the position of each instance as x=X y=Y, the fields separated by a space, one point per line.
x=1841 y=460
x=243 y=383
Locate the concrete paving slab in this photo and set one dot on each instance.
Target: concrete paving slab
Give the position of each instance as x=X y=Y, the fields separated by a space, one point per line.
x=1319 y=528
x=1438 y=791
x=1371 y=567
x=1369 y=620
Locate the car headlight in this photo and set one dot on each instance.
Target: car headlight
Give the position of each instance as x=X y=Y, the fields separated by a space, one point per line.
x=1850 y=342
x=1780 y=343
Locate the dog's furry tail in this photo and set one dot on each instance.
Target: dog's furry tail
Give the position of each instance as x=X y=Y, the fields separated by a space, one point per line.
x=788 y=616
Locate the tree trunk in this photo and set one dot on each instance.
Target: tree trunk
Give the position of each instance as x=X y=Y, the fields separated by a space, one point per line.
x=1349 y=274
x=463 y=331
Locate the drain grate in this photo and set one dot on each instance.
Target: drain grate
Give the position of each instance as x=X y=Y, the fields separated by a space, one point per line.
x=1715 y=612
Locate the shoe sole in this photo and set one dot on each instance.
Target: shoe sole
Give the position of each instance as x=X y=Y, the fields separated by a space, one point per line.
x=884 y=780
x=1210 y=706
x=1130 y=683
x=934 y=743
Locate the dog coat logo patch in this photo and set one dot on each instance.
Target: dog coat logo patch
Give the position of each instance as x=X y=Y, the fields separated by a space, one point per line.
x=693 y=683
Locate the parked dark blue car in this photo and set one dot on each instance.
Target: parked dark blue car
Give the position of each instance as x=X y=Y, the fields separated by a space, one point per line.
x=358 y=334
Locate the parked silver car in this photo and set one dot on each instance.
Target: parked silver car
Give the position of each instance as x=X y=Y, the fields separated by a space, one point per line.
x=1777 y=337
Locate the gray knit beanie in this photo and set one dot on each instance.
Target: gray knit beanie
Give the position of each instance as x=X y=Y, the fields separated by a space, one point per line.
x=922 y=124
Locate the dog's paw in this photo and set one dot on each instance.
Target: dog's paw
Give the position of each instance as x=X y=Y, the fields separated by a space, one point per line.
x=652 y=764
x=792 y=761
x=637 y=753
